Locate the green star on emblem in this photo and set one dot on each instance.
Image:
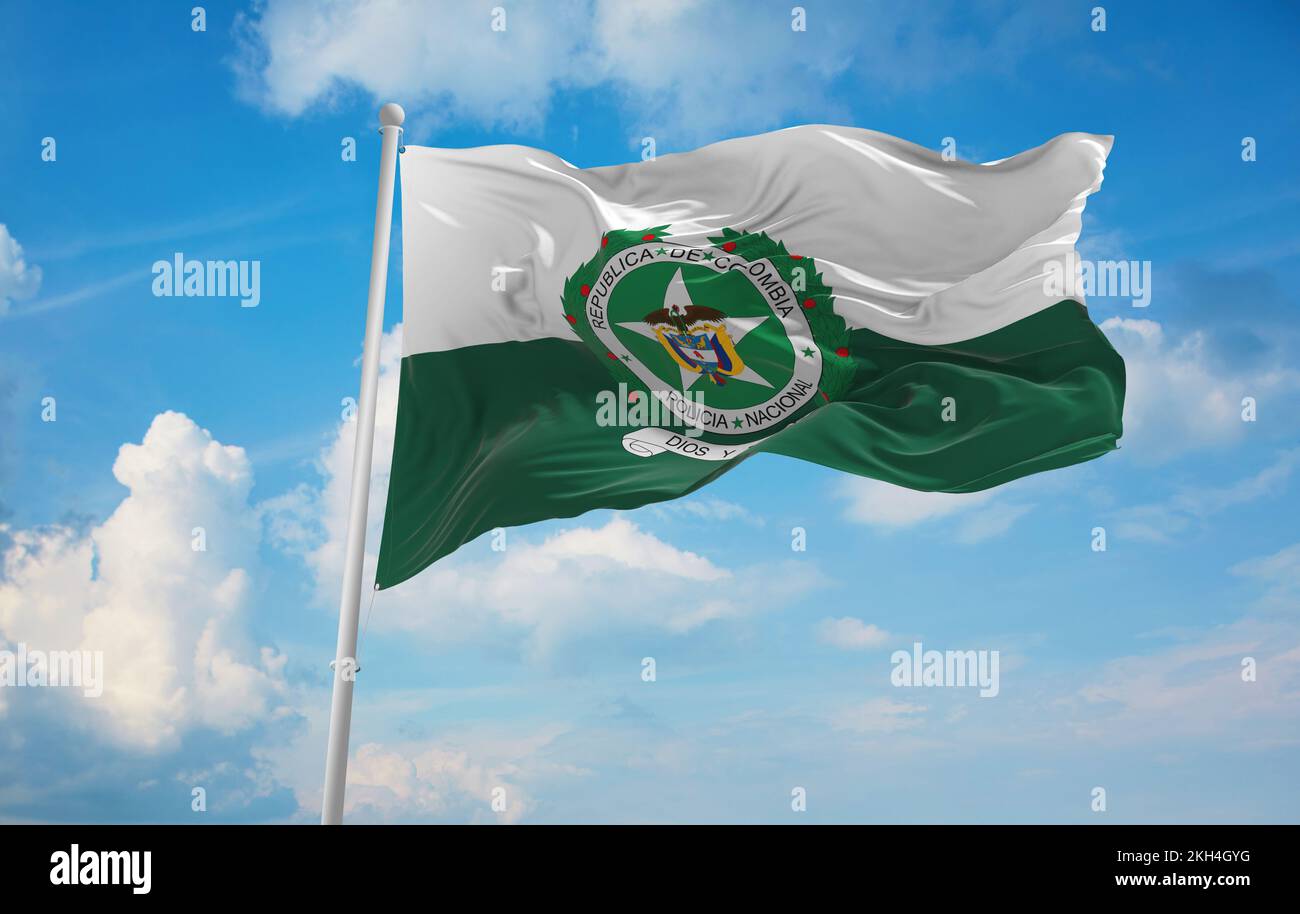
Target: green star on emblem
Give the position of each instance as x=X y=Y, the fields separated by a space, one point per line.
x=808 y=352
x=737 y=423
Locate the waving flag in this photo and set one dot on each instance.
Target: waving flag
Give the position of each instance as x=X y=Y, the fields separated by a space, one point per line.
x=610 y=337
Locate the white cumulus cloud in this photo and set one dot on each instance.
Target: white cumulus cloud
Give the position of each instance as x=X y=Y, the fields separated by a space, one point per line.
x=386 y=784
x=18 y=279
x=880 y=504
x=850 y=634
x=446 y=56
x=979 y=516
x=169 y=618
x=1177 y=398
x=687 y=71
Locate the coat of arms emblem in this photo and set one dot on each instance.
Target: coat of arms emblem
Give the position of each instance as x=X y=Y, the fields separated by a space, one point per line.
x=737 y=337
x=695 y=335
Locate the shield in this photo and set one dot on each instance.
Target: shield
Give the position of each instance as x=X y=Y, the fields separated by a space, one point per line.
x=703 y=348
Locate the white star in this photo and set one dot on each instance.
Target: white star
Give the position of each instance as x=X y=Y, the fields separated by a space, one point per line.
x=738 y=328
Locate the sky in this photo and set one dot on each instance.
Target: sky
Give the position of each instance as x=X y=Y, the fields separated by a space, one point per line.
x=511 y=686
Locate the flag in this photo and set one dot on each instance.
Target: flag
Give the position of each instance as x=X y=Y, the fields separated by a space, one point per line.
x=611 y=337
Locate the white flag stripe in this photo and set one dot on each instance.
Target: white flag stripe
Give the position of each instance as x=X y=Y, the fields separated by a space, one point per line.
x=916 y=248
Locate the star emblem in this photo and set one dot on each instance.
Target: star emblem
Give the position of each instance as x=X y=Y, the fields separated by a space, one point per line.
x=737 y=328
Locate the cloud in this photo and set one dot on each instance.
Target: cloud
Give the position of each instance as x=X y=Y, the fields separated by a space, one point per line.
x=1164 y=521
x=889 y=507
x=880 y=715
x=1179 y=398
x=881 y=504
x=690 y=70
x=168 y=618
x=453 y=778
x=1196 y=689
x=72 y=297
x=386 y=785
x=18 y=279
x=1280 y=572
x=443 y=57
x=9 y=444
x=447 y=63
x=705 y=508
x=850 y=634
x=668 y=63
x=576 y=584
x=990 y=523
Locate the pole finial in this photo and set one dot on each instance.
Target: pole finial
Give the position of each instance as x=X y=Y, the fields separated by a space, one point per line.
x=391 y=115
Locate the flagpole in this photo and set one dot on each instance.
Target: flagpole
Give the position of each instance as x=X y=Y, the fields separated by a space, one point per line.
x=344 y=665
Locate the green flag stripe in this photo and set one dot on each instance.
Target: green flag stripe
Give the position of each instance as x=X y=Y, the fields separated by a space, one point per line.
x=505 y=434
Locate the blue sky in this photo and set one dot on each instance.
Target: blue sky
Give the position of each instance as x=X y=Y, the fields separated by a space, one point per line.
x=522 y=670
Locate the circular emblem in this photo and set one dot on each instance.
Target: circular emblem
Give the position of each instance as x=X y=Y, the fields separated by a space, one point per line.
x=738 y=338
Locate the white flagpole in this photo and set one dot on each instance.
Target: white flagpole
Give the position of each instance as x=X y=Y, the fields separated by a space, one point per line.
x=336 y=755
